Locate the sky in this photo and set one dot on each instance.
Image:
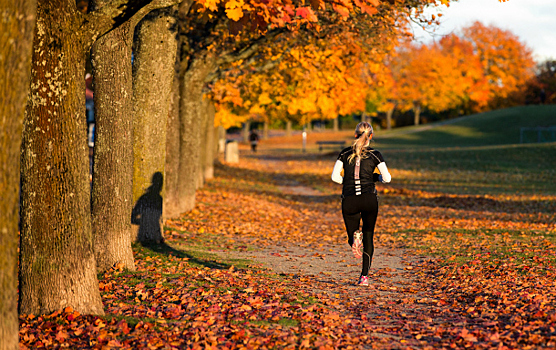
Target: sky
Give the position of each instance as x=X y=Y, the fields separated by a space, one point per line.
x=533 y=21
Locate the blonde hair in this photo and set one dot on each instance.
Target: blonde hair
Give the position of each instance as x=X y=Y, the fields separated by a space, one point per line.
x=363 y=130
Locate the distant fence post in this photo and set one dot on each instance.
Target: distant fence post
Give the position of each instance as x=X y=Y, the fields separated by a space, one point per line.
x=550 y=133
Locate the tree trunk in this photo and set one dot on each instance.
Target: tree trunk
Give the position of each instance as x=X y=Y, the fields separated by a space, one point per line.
x=113 y=157
x=365 y=117
x=389 y=114
x=209 y=143
x=417 y=111
x=192 y=83
x=57 y=265
x=16 y=39
x=335 y=125
x=288 y=128
x=265 y=130
x=171 y=199
x=246 y=127
x=221 y=134
x=203 y=120
x=153 y=74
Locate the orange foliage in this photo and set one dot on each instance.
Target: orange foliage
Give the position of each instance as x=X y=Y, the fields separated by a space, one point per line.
x=507 y=63
x=475 y=71
x=301 y=78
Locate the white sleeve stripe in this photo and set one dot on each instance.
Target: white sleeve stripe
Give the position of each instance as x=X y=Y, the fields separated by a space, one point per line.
x=386 y=177
x=336 y=173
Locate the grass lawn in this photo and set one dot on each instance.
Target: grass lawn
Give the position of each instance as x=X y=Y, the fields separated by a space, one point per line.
x=479 y=154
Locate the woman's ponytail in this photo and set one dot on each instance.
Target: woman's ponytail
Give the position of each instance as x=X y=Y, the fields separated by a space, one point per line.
x=363 y=132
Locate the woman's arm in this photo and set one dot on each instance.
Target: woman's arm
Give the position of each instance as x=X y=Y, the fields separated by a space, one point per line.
x=336 y=173
x=385 y=174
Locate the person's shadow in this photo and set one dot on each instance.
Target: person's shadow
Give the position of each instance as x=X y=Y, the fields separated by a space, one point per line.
x=147 y=212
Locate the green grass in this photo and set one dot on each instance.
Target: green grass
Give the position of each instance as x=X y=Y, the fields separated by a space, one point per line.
x=464 y=245
x=478 y=154
x=500 y=127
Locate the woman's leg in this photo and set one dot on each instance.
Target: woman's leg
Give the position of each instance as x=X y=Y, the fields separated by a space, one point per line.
x=369 y=215
x=352 y=216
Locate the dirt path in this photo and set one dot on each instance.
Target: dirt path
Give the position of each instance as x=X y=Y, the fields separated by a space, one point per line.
x=332 y=267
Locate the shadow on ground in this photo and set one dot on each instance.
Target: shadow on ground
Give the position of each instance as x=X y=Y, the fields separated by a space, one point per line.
x=165 y=249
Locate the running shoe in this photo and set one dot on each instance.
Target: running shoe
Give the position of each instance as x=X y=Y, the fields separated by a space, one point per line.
x=357 y=245
x=363 y=281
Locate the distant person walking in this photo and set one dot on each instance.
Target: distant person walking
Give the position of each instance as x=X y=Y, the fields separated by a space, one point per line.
x=359 y=199
x=254 y=140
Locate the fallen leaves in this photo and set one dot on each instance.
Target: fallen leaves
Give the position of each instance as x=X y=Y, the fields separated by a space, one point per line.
x=485 y=279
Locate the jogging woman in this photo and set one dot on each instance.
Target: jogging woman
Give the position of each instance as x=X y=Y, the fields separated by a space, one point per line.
x=359 y=200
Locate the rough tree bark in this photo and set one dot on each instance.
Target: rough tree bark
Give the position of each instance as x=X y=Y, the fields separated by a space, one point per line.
x=203 y=120
x=153 y=73
x=57 y=265
x=192 y=83
x=335 y=124
x=173 y=149
x=111 y=197
x=16 y=39
x=113 y=165
x=172 y=200
x=209 y=142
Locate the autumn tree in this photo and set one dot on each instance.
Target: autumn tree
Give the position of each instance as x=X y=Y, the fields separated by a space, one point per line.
x=474 y=71
x=541 y=88
x=423 y=79
x=465 y=77
x=204 y=44
x=506 y=62
x=16 y=38
x=306 y=76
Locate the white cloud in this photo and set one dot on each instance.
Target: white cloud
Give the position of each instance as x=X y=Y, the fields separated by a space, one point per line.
x=533 y=21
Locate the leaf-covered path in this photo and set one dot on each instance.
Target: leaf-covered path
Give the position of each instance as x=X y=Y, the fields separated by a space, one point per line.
x=262 y=262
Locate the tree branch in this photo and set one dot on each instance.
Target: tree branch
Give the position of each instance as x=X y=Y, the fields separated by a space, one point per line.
x=251 y=48
x=108 y=17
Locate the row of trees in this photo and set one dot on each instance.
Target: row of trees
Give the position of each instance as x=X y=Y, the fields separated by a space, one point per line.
x=474 y=71
x=481 y=68
x=152 y=61
x=325 y=73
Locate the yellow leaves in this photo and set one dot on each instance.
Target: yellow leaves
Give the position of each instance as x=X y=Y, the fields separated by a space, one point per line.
x=256 y=109
x=226 y=118
x=317 y=80
x=264 y=98
x=327 y=107
x=210 y=4
x=234 y=9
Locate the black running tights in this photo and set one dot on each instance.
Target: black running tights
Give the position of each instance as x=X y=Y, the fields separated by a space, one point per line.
x=355 y=208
